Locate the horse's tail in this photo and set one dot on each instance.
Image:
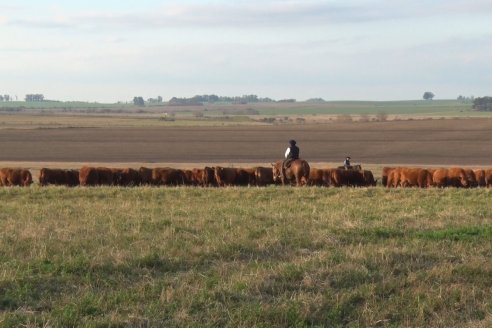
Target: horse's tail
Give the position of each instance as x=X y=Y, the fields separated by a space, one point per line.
x=306 y=169
x=305 y=173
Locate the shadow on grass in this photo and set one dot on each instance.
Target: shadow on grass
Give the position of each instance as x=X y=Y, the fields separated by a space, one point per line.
x=376 y=235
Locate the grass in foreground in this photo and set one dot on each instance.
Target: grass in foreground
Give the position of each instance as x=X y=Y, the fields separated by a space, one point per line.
x=245 y=257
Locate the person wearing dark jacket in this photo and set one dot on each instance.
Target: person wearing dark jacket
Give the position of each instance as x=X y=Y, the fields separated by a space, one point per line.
x=293 y=151
x=291 y=154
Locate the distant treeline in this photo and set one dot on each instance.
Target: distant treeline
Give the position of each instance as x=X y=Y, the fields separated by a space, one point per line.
x=34 y=97
x=5 y=98
x=483 y=104
x=28 y=98
x=201 y=99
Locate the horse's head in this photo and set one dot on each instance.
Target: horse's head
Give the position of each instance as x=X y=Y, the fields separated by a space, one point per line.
x=276 y=170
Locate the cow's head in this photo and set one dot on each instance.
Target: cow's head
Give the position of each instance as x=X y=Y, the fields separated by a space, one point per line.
x=464 y=180
x=276 y=170
x=471 y=178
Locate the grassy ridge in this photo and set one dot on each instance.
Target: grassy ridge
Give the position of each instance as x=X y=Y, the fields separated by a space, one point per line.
x=420 y=107
x=245 y=257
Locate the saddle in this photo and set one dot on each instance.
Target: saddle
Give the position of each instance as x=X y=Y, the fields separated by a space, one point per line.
x=285 y=165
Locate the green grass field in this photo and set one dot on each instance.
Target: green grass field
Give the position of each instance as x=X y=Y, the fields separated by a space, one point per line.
x=410 y=107
x=245 y=257
x=421 y=107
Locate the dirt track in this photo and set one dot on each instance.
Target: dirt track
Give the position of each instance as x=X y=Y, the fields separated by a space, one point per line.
x=446 y=142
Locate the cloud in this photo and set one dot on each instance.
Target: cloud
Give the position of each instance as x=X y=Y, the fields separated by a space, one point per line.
x=52 y=23
x=466 y=6
x=212 y=15
x=257 y=14
x=9 y=7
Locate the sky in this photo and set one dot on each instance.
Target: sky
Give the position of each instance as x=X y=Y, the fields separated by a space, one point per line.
x=113 y=50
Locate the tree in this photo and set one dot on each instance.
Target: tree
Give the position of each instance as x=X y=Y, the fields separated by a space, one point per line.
x=428 y=95
x=483 y=104
x=34 y=97
x=138 y=101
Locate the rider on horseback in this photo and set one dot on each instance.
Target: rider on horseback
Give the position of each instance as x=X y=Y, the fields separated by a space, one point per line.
x=346 y=163
x=291 y=154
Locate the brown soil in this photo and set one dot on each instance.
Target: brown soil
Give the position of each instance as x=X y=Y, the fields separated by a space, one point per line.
x=429 y=142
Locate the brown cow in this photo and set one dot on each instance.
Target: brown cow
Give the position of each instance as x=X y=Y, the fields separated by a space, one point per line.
x=320 y=177
x=409 y=177
x=488 y=178
x=126 y=177
x=145 y=175
x=197 y=177
x=245 y=177
x=58 y=177
x=225 y=176
x=457 y=178
x=439 y=178
x=384 y=175
x=88 y=176
x=209 y=177
x=453 y=177
x=168 y=176
x=15 y=177
x=425 y=178
x=368 y=178
x=393 y=178
x=188 y=177
x=316 y=177
x=263 y=175
x=339 y=177
x=350 y=178
x=72 y=178
x=471 y=178
x=203 y=177
x=480 y=177
x=414 y=177
x=95 y=176
x=105 y=176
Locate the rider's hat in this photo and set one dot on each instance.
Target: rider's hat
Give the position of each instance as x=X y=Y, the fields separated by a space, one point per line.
x=292 y=142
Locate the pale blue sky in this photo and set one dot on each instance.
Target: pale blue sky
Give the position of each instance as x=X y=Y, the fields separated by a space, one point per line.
x=374 y=49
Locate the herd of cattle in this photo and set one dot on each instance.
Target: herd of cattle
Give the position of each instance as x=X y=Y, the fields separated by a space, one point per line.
x=256 y=176
x=440 y=177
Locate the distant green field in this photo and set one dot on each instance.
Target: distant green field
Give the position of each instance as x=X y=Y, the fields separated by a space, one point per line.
x=220 y=114
x=373 y=107
x=245 y=257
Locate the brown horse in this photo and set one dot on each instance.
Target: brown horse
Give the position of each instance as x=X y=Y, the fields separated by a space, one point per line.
x=297 y=173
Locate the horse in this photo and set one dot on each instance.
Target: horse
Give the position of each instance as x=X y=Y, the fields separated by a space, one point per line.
x=297 y=172
x=356 y=167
